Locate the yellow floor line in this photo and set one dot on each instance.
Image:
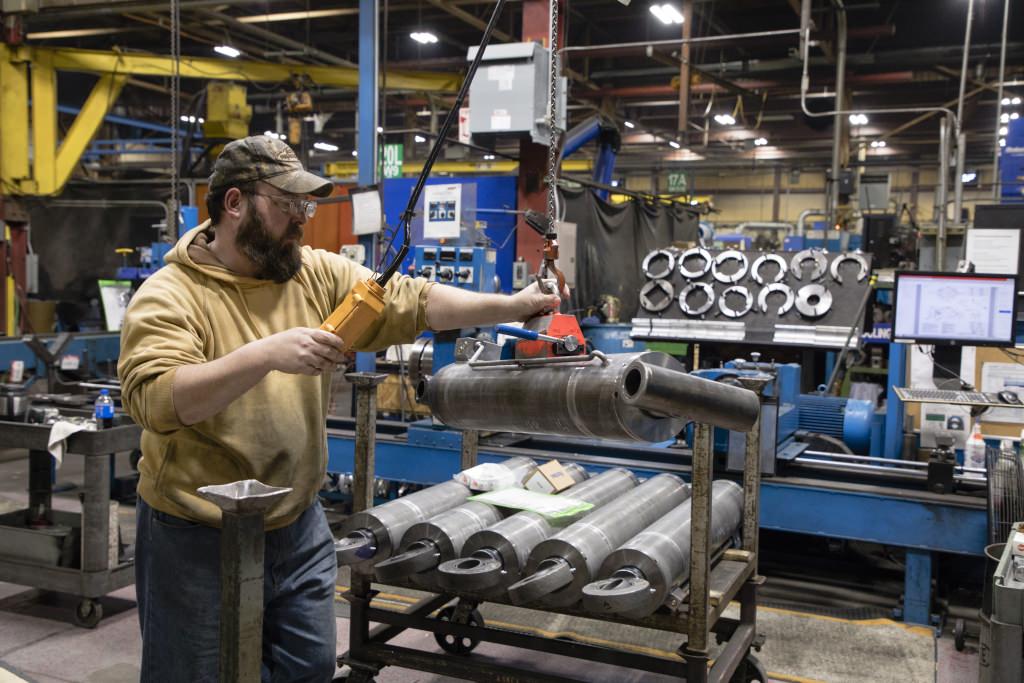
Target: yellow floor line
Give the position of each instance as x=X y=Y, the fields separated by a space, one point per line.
x=640 y=649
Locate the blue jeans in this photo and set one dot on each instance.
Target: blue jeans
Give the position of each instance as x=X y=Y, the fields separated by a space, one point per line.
x=177 y=581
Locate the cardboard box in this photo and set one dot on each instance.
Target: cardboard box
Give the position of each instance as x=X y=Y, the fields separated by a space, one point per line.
x=550 y=477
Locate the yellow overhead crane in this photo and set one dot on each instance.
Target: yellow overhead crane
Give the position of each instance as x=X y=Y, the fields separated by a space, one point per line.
x=30 y=72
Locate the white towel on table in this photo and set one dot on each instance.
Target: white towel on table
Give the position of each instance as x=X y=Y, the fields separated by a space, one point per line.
x=59 y=433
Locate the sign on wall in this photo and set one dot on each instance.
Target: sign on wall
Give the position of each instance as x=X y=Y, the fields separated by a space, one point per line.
x=443 y=209
x=391 y=160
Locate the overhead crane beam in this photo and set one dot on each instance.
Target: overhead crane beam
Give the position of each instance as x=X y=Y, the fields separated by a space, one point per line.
x=50 y=165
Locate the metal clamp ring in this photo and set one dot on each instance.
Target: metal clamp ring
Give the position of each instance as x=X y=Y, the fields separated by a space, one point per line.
x=665 y=287
x=776 y=287
x=730 y=255
x=755 y=270
x=849 y=256
x=735 y=289
x=694 y=274
x=817 y=309
x=820 y=264
x=709 y=293
x=654 y=258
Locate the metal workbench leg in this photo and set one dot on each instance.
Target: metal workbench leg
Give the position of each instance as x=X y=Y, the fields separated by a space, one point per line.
x=366 y=437
x=917 y=591
x=696 y=650
x=40 y=486
x=470 y=445
x=752 y=490
x=96 y=515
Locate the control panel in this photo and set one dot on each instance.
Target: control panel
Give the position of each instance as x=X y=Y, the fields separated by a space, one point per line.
x=466 y=267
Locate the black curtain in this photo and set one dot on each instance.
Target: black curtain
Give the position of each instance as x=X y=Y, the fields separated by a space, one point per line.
x=613 y=239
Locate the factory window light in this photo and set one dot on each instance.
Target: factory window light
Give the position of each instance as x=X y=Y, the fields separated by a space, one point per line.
x=325 y=147
x=725 y=119
x=673 y=144
x=666 y=14
x=227 y=51
x=760 y=142
x=858 y=119
x=419 y=138
x=629 y=124
x=878 y=143
x=423 y=37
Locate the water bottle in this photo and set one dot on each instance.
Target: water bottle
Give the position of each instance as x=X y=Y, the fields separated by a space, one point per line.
x=104 y=410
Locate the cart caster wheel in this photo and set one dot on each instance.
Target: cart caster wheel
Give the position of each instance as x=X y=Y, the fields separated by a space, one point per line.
x=88 y=613
x=959 y=635
x=749 y=671
x=457 y=645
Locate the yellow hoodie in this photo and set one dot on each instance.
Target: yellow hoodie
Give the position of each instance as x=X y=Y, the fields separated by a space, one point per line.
x=195 y=310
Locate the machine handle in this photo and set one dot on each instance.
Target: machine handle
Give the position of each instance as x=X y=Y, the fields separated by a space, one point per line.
x=522 y=333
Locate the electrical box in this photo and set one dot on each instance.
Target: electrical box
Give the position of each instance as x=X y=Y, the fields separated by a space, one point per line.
x=227 y=114
x=470 y=268
x=509 y=95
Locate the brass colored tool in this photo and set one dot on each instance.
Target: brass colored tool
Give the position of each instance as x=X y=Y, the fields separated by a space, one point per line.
x=363 y=306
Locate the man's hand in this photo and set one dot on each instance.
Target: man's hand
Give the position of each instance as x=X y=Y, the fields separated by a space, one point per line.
x=303 y=351
x=532 y=301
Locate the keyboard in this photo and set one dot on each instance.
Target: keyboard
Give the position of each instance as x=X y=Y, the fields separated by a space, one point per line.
x=969 y=398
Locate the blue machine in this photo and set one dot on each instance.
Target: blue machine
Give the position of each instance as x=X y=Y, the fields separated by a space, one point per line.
x=818 y=238
x=609 y=141
x=1011 y=163
x=470 y=268
x=152 y=258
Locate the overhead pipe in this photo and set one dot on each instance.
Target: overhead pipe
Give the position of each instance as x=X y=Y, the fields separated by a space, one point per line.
x=764 y=225
x=801 y=221
x=961 y=137
x=996 y=180
x=940 y=240
x=839 y=122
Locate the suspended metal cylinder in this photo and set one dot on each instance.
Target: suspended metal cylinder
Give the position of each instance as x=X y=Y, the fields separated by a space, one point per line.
x=441 y=538
x=636 y=577
x=561 y=566
x=373 y=535
x=644 y=396
x=493 y=559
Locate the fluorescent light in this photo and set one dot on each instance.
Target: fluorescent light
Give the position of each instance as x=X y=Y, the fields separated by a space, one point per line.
x=1015 y=100
x=423 y=37
x=629 y=124
x=760 y=142
x=1003 y=130
x=227 y=51
x=666 y=14
x=673 y=144
x=858 y=119
x=878 y=143
x=419 y=138
x=325 y=147
x=968 y=177
x=725 y=119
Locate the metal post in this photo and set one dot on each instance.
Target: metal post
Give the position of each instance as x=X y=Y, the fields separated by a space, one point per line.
x=96 y=515
x=963 y=68
x=894 y=413
x=40 y=486
x=837 y=132
x=700 y=551
x=242 y=540
x=470 y=446
x=366 y=136
x=940 y=239
x=366 y=437
x=917 y=590
x=996 y=184
x=684 y=71
x=958 y=179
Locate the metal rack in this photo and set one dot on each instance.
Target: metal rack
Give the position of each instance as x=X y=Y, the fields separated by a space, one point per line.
x=99 y=572
x=694 y=610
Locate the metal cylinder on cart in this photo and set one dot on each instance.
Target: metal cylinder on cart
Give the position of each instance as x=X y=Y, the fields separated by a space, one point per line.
x=441 y=538
x=561 y=566
x=644 y=396
x=636 y=577
x=493 y=558
x=371 y=536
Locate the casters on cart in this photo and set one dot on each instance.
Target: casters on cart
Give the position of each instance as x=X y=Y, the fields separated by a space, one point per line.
x=88 y=613
x=749 y=671
x=959 y=635
x=459 y=614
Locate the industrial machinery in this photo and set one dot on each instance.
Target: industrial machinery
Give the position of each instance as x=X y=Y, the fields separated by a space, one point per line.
x=465 y=267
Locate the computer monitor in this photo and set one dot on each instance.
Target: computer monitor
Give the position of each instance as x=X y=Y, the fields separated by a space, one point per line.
x=955 y=308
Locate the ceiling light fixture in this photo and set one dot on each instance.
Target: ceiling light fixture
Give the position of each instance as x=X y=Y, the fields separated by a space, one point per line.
x=725 y=119
x=227 y=51
x=1005 y=102
x=1015 y=101
x=673 y=144
x=760 y=142
x=355 y=153
x=192 y=119
x=325 y=147
x=1014 y=116
x=423 y=37
x=666 y=14
x=968 y=177
x=380 y=129
x=858 y=119
x=419 y=138
x=1004 y=118
x=272 y=134
x=878 y=143
x=488 y=157
x=1003 y=130
x=629 y=124
x=1002 y=142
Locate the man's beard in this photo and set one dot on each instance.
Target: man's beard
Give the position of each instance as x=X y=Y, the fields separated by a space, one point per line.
x=275 y=259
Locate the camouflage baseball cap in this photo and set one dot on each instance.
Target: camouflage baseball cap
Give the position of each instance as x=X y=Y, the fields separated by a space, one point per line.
x=261 y=157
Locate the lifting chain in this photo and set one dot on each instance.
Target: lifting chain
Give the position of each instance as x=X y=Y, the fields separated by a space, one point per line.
x=553 y=131
x=175 y=114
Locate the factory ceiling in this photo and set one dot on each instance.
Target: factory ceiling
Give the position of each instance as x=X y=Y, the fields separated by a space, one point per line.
x=900 y=53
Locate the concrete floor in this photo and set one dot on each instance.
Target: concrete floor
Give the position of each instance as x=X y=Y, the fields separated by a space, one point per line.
x=39 y=642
